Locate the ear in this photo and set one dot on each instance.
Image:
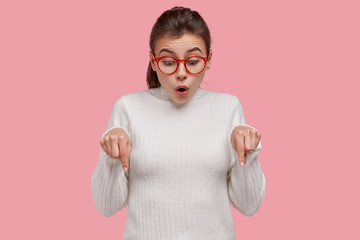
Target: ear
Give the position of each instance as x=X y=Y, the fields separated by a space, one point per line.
x=208 y=63
x=152 y=61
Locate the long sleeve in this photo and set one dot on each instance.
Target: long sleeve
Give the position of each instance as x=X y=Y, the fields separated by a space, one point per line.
x=109 y=183
x=246 y=185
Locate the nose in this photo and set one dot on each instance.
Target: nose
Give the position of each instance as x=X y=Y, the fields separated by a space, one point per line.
x=181 y=71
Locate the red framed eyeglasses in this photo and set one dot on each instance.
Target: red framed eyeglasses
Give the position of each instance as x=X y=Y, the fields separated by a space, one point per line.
x=169 y=65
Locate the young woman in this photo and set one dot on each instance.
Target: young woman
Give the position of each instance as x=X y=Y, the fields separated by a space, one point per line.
x=174 y=153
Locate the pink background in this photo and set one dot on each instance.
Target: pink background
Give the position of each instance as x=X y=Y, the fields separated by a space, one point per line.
x=293 y=64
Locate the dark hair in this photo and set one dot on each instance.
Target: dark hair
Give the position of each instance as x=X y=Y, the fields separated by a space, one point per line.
x=174 y=23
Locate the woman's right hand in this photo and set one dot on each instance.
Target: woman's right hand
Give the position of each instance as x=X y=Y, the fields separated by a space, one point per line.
x=116 y=144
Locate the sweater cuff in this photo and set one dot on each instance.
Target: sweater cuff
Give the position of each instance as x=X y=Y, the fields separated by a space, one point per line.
x=107 y=130
x=250 y=155
x=114 y=165
x=242 y=124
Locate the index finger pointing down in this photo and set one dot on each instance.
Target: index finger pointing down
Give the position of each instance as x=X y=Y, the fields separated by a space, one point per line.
x=240 y=146
x=123 y=152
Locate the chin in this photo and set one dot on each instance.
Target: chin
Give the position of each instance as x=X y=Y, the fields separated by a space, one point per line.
x=177 y=101
x=181 y=101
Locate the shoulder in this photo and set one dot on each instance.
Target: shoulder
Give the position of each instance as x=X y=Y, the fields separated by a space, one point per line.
x=131 y=97
x=225 y=98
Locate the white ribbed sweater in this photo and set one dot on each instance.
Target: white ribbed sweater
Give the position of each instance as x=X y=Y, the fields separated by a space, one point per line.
x=183 y=169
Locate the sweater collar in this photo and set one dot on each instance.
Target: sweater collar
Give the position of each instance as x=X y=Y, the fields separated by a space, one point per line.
x=160 y=92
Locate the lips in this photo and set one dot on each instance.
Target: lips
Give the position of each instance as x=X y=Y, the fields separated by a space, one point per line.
x=181 y=88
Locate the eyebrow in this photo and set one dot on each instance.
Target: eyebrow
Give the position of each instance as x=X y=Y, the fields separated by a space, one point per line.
x=169 y=51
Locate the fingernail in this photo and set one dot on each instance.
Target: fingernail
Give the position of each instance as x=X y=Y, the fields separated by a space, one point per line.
x=242 y=164
x=125 y=168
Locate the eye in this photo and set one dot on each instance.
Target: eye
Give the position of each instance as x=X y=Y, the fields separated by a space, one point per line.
x=192 y=62
x=167 y=62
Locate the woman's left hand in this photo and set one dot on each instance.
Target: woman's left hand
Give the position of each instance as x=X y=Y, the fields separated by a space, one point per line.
x=244 y=139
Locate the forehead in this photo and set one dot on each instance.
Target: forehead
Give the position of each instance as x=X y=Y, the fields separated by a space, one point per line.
x=180 y=45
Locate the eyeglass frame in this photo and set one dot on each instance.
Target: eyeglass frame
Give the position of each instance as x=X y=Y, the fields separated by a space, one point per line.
x=157 y=59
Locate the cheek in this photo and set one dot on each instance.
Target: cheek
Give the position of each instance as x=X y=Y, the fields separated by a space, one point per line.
x=199 y=77
x=163 y=79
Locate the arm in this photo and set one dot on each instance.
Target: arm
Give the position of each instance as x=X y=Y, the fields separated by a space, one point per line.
x=246 y=185
x=109 y=183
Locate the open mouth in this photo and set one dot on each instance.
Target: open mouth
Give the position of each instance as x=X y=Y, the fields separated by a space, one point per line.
x=182 y=90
